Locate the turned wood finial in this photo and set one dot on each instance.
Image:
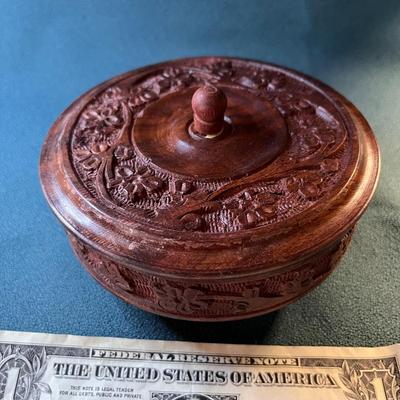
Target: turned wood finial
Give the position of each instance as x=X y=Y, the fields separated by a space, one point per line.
x=209 y=105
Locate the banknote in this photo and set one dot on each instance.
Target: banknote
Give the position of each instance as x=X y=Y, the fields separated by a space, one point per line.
x=45 y=366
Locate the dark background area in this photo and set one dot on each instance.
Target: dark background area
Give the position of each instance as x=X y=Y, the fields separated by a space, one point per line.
x=52 y=51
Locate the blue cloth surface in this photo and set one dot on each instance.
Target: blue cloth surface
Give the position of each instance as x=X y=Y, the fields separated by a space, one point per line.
x=52 y=51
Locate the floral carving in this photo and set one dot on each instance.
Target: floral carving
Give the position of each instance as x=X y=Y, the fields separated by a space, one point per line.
x=179 y=300
x=100 y=122
x=124 y=153
x=104 y=119
x=220 y=70
x=106 y=160
x=173 y=78
x=133 y=185
x=330 y=166
x=139 y=96
x=170 y=80
x=261 y=79
x=215 y=298
x=252 y=209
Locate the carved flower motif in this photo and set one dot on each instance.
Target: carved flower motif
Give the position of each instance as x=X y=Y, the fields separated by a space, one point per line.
x=181 y=300
x=255 y=208
x=173 y=79
x=135 y=185
x=102 y=118
x=141 y=95
x=124 y=153
x=308 y=186
x=113 y=97
x=221 y=69
x=330 y=165
x=301 y=110
x=101 y=121
x=261 y=79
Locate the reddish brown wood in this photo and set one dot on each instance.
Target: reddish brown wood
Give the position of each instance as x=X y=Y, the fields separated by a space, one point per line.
x=255 y=135
x=209 y=106
x=204 y=300
x=218 y=227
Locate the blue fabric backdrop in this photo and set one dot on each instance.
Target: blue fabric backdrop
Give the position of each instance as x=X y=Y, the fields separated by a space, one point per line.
x=52 y=51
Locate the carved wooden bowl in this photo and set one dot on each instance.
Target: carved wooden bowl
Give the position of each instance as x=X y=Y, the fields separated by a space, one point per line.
x=210 y=188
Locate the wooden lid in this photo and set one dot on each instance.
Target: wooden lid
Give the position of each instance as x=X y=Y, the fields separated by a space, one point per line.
x=209 y=165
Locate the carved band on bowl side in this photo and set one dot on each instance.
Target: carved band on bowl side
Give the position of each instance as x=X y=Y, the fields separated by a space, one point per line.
x=211 y=300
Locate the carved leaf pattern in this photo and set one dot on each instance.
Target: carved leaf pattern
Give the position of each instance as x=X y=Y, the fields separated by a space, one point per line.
x=206 y=299
x=178 y=299
x=108 y=165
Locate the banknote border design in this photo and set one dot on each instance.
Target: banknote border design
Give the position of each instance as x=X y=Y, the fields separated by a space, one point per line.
x=32 y=359
x=356 y=374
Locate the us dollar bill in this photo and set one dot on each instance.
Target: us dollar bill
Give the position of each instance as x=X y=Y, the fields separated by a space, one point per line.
x=43 y=366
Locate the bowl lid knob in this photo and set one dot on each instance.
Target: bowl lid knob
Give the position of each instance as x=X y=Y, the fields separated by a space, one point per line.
x=209 y=104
